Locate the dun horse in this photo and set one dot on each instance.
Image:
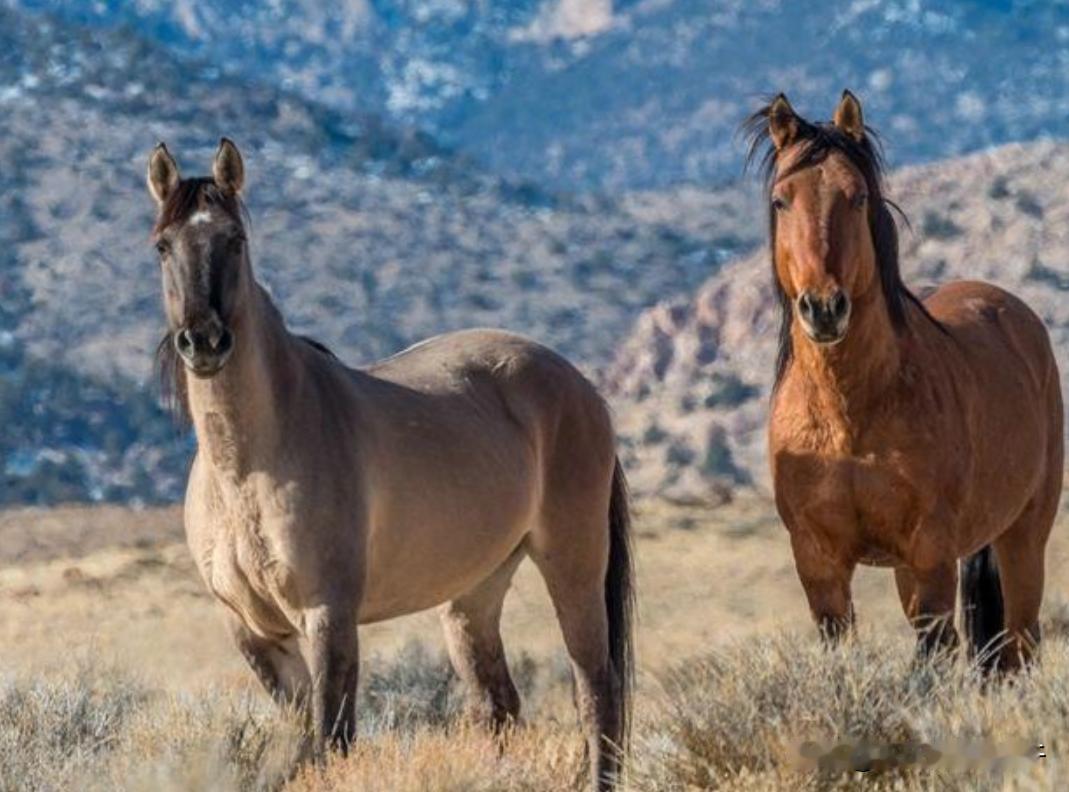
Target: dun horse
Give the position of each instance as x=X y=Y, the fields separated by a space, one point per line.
x=902 y=433
x=322 y=497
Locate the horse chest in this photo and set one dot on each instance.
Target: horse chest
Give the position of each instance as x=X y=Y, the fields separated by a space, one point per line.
x=862 y=505
x=244 y=570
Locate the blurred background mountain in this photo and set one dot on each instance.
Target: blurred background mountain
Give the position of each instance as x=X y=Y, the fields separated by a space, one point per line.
x=617 y=94
x=557 y=167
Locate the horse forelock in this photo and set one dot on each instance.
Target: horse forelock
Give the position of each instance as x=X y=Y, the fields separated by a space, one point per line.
x=195 y=196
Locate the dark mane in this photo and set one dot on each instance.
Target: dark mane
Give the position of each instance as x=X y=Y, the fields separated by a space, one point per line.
x=171 y=375
x=319 y=346
x=818 y=141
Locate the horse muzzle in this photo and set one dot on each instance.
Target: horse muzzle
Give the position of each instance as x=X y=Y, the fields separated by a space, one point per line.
x=204 y=346
x=824 y=318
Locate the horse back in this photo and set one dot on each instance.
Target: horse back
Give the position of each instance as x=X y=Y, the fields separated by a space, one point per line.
x=515 y=379
x=999 y=334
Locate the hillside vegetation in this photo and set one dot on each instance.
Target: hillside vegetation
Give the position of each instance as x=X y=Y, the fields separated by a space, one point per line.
x=373 y=234
x=691 y=384
x=371 y=238
x=625 y=94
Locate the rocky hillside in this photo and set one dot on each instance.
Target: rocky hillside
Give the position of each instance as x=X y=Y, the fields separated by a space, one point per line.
x=612 y=94
x=691 y=384
x=370 y=236
x=373 y=233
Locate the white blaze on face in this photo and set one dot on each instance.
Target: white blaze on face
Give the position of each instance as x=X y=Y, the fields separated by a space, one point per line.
x=199 y=218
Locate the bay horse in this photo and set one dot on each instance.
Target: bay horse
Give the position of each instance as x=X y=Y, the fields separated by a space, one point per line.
x=902 y=432
x=322 y=497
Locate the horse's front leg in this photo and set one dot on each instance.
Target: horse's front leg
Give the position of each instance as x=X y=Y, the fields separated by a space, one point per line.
x=928 y=597
x=826 y=581
x=332 y=653
x=278 y=665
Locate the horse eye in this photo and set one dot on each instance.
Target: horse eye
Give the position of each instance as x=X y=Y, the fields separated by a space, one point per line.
x=778 y=203
x=162 y=247
x=859 y=200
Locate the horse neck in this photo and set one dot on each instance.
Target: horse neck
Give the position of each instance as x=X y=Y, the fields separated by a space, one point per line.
x=237 y=413
x=844 y=383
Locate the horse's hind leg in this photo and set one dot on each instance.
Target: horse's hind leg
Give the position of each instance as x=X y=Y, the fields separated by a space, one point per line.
x=1020 y=552
x=574 y=568
x=472 y=625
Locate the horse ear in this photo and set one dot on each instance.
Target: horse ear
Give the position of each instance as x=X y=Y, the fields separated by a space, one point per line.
x=228 y=170
x=782 y=122
x=162 y=176
x=848 y=117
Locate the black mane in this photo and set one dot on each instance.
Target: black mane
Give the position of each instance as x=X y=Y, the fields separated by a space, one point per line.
x=818 y=141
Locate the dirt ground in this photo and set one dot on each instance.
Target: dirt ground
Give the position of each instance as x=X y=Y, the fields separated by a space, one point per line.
x=119 y=585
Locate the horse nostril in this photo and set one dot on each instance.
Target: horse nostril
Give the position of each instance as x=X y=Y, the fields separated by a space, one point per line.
x=183 y=342
x=223 y=341
x=839 y=305
x=807 y=306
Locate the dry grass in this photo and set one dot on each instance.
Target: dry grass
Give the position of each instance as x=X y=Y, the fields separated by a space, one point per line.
x=737 y=719
x=729 y=720
x=115 y=674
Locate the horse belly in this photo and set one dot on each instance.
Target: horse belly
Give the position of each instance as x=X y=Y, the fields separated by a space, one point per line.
x=429 y=551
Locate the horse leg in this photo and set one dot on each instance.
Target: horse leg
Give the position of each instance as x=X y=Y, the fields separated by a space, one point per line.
x=279 y=666
x=907 y=591
x=472 y=625
x=575 y=578
x=332 y=653
x=928 y=598
x=1020 y=552
x=826 y=581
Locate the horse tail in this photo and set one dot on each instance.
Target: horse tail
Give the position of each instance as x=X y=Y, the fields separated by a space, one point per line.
x=620 y=596
x=981 y=606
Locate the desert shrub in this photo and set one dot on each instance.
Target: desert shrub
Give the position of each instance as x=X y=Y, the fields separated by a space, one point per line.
x=735 y=719
x=999 y=188
x=52 y=731
x=939 y=226
x=416 y=688
x=730 y=391
x=94 y=727
x=1027 y=203
x=99 y=728
x=1042 y=273
x=653 y=434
